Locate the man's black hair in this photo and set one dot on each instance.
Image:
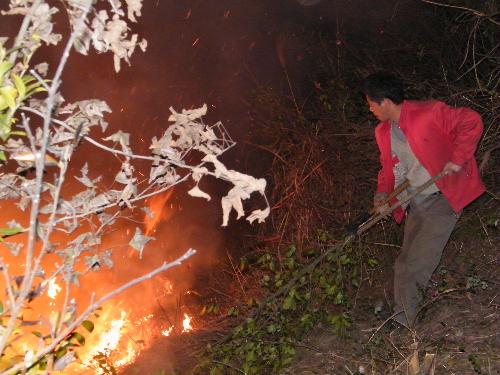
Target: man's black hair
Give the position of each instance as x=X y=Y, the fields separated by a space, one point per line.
x=381 y=85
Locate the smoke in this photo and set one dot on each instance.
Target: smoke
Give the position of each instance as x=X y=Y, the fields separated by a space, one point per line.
x=214 y=52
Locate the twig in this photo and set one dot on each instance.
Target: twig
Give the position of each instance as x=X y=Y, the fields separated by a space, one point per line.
x=22 y=31
x=270 y=151
x=236 y=273
x=94 y=305
x=221 y=293
x=229 y=366
x=383 y=324
x=165 y=313
x=8 y=283
x=40 y=166
x=297 y=184
x=470 y=10
x=435 y=298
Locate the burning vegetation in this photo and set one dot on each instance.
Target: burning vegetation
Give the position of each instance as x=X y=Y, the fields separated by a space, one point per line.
x=75 y=235
x=62 y=229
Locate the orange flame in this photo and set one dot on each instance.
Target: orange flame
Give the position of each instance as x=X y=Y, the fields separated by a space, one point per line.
x=109 y=344
x=156 y=205
x=53 y=289
x=168 y=331
x=186 y=323
x=109 y=340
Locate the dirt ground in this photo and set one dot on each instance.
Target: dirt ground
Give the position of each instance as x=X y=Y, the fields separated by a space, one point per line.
x=458 y=329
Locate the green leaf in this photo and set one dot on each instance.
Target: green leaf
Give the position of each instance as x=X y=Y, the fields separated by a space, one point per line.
x=372 y=262
x=339 y=298
x=271 y=328
x=291 y=251
x=5 y=232
x=20 y=86
x=78 y=337
x=60 y=352
x=3 y=104
x=34 y=88
x=289 y=303
x=4 y=68
x=88 y=325
x=9 y=94
x=18 y=132
x=28 y=78
x=344 y=259
x=1 y=307
x=37 y=334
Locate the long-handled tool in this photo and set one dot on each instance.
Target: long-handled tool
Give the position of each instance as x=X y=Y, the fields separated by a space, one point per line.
x=375 y=215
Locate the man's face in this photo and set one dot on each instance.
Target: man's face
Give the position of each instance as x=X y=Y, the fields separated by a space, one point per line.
x=379 y=110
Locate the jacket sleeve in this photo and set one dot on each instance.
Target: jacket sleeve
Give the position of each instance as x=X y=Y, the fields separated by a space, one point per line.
x=465 y=127
x=383 y=185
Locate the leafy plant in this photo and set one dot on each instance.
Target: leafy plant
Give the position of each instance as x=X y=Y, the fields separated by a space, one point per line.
x=264 y=342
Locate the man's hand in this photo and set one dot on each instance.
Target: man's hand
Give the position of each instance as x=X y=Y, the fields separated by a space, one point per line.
x=451 y=168
x=378 y=202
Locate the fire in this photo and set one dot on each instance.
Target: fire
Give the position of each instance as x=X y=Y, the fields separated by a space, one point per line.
x=168 y=331
x=156 y=205
x=109 y=344
x=186 y=326
x=109 y=340
x=53 y=289
x=186 y=323
x=122 y=341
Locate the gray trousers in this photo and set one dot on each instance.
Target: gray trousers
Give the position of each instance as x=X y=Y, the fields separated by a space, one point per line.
x=428 y=227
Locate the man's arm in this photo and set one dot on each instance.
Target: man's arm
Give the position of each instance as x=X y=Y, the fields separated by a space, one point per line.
x=383 y=185
x=465 y=127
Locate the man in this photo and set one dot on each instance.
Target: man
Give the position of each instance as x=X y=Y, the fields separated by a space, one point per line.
x=418 y=140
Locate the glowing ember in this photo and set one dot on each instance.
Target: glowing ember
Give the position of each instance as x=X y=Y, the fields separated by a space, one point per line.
x=144 y=319
x=53 y=289
x=186 y=323
x=168 y=287
x=168 y=331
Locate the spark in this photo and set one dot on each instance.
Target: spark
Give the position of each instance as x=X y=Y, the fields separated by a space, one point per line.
x=195 y=42
x=144 y=319
x=188 y=13
x=227 y=13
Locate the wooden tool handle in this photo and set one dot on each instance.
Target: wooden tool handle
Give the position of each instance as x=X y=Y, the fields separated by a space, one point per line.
x=370 y=223
x=399 y=189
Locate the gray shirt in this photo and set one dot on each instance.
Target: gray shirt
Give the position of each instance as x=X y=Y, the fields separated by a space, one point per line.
x=409 y=167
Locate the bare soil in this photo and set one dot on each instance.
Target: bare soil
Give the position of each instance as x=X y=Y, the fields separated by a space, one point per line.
x=458 y=329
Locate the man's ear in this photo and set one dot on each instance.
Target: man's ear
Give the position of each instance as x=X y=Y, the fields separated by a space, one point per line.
x=387 y=102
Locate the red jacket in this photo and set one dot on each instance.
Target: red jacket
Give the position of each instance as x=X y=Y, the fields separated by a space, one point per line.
x=437 y=134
